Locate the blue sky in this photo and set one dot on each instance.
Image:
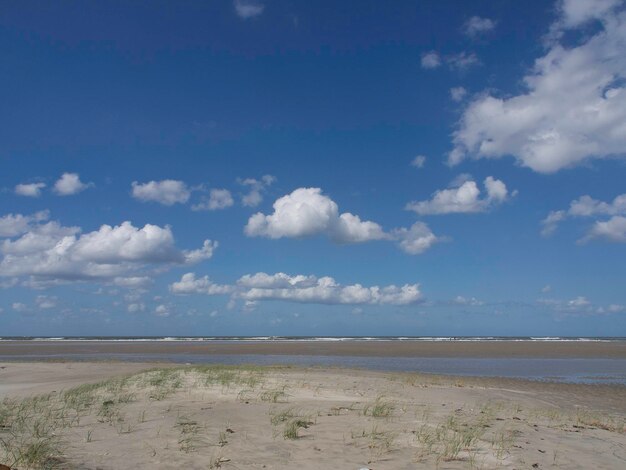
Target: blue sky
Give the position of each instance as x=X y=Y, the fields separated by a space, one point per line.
x=313 y=168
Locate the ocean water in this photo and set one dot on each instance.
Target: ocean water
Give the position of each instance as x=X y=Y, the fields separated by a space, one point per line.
x=570 y=370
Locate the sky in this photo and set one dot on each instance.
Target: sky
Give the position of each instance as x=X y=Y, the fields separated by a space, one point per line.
x=286 y=167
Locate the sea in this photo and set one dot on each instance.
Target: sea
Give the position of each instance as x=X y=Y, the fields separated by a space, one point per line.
x=568 y=370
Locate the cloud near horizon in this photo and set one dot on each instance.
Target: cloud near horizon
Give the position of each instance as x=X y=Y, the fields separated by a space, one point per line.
x=39 y=252
x=300 y=289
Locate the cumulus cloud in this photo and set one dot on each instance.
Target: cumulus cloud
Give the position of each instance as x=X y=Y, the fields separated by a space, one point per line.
x=256 y=189
x=69 y=184
x=465 y=198
x=574 y=106
x=416 y=239
x=162 y=310
x=29 y=189
x=45 y=302
x=246 y=9
x=300 y=288
x=50 y=252
x=189 y=284
x=20 y=307
x=218 y=199
x=476 y=26
x=307 y=212
x=431 y=60
x=457 y=93
x=613 y=229
x=419 y=161
x=16 y=224
x=166 y=192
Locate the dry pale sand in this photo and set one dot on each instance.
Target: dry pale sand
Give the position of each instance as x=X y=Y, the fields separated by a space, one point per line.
x=286 y=418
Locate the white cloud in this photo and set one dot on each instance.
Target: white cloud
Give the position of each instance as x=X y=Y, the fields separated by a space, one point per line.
x=218 y=199
x=476 y=26
x=46 y=302
x=416 y=239
x=132 y=282
x=166 y=192
x=419 y=161
x=547 y=288
x=51 y=253
x=248 y=8
x=462 y=199
x=586 y=206
x=12 y=225
x=189 y=284
x=579 y=305
x=613 y=229
x=29 y=189
x=299 y=288
x=136 y=307
x=20 y=307
x=457 y=93
x=307 y=212
x=431 y=60
x=257 y=188
x=574 y=107
x=471 y=301
x=69 y=184
x=551 y=222
x=462 y=61
x=162 y=310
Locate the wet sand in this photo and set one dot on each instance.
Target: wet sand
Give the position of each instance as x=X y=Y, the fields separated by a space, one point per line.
x=476 y=349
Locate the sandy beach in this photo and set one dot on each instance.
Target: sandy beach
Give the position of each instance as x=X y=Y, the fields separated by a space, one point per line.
x=285 y=418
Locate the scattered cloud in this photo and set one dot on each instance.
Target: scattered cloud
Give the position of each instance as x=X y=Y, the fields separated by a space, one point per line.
x=29 y=189
x=431 y=60
x=256 y=189
x=307 y=212
x=47 y=252
x=613 y=229
x=574 y=106
x=166 y=192
x=136 y=307
x=471 y=301
x=162 y=310
x=547 y=288
x=246 y=9
x=462 y=199
x=580 y=306
x=20 y=307
x=218 y=199
x=299 y=288
x=462 y=61
x=458 y=93
x=416 y=239
x=477 y=26
x=69 y=184
x=45 y=302
x=419 y=161
x=189 y=284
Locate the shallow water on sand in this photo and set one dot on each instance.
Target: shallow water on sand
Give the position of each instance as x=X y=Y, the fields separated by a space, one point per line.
x=570 y=370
